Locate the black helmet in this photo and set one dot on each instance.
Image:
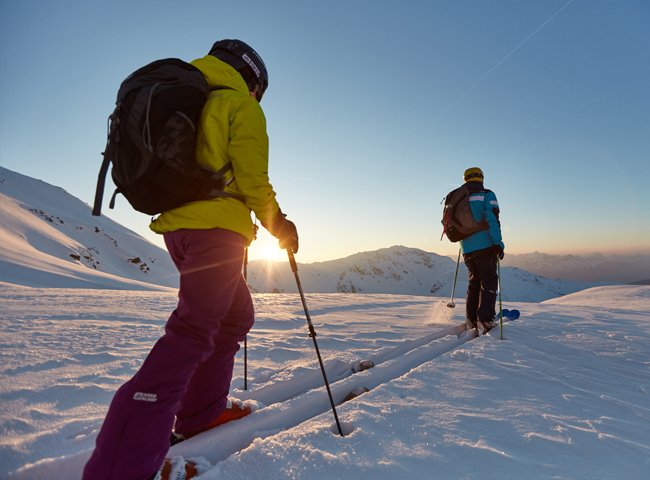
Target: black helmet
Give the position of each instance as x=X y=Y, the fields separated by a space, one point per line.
x=246 y=61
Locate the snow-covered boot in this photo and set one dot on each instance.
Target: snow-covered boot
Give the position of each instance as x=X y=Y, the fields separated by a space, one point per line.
x=489 y=325
x=178 y=468
x=235 y=409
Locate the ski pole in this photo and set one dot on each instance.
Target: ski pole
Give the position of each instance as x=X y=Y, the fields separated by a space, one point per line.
x=500 y=305
x=312 y=334
x=451 y=303
x=246 y=337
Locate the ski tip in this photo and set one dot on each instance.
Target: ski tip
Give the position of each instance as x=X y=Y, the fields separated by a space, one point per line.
x=362 y=365
x=510 y=314
x=355 y=393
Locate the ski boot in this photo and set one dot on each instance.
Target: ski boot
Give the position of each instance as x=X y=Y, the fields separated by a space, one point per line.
x=235 y=409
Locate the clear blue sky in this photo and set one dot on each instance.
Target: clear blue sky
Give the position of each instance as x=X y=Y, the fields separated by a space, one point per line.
x=374 y=109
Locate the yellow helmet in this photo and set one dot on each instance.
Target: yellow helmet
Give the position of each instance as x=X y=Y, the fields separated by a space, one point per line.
x=473 y=174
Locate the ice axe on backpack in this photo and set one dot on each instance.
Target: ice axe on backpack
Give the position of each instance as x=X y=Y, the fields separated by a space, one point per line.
x=451 y=303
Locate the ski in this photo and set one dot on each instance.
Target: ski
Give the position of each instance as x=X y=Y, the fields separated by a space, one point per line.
x=265 y=418
x=506 y=315
x=248 y=408
x=219 y=443
x=286 y=404
x=513 y=314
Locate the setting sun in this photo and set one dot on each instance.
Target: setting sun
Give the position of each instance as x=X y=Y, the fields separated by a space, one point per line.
x=265 y=247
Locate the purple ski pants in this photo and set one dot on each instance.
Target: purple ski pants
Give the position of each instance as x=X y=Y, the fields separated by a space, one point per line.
x=187 y=374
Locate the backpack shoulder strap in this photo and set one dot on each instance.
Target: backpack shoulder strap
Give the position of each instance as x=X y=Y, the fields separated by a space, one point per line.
x=218 y=190
x=101 y=183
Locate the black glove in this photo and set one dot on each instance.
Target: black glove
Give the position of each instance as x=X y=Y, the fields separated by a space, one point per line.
x=498 y=251
x=285 y=231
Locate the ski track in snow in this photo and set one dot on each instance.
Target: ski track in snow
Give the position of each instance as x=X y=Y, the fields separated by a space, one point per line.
x=105 y=335
x=565 y=395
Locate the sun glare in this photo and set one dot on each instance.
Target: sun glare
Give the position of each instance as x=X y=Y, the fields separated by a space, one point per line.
x=266 y=248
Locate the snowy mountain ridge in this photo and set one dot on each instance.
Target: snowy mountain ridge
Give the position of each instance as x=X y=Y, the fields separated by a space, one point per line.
x=50 y=239
x=403 y=271
x=595 y=267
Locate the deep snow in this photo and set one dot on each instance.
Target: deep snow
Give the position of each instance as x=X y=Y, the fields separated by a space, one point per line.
x=565 y=395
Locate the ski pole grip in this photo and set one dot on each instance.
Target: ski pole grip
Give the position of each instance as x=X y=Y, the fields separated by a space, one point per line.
x=292 y=261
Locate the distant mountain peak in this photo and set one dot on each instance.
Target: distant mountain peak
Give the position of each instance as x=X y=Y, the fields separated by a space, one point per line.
x=53 y=241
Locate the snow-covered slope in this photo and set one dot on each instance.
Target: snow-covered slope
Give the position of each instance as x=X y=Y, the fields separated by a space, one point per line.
x=48 y=238
x=624 y=297
x=565 y=395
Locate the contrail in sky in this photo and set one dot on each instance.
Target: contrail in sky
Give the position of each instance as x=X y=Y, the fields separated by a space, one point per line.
x=506 y=57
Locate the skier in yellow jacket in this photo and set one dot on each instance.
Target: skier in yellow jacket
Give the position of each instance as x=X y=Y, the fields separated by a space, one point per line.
x=183 y=383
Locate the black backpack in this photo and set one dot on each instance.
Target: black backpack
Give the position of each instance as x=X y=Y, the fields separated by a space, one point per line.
x=457 y=220
x=152 y=140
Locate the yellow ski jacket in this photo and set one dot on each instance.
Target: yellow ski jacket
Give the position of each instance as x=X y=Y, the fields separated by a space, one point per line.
x=232 y=128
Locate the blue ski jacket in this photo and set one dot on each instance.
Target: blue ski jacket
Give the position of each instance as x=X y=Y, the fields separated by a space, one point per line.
x=484 y=206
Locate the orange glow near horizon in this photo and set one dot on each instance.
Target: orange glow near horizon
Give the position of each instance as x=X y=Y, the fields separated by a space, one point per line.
x=266 y=247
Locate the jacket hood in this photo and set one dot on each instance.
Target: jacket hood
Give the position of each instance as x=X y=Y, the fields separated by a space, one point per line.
x=219 y=74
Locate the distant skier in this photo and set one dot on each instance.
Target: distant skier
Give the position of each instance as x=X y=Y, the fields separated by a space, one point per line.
x=481 y=251
x=183 y=383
